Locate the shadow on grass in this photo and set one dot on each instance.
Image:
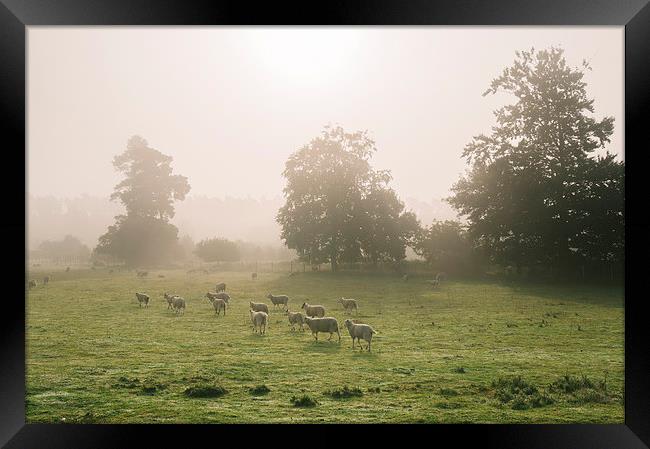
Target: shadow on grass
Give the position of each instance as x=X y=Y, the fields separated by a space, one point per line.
x=323 y=346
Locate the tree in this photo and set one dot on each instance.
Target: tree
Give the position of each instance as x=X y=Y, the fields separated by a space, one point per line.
x=527 y=194
x=148 y=189
x=446 y=246
x=68 y=247
x=386 y=229
x=144 y=235
x=216 y=249
x=329 y=200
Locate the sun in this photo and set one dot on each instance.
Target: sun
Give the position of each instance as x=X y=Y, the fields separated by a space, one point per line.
x=304 y=55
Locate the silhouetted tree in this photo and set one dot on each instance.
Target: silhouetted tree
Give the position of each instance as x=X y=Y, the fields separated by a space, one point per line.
x=329 y=200
x=68 y=247
x=148 y=191
x=530 y=193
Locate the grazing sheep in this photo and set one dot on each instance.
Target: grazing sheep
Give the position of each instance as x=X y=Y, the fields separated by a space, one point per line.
x=32 y=283
x=170 y=300
x=178 y=304
x=259 y=320
x=254 y=276
x=219 y=304
x=313 y=311
x=360 y=331
x=142 y=299
x=212 y=296
x=296 y=318
x=349 y=304
x=327 y=324
x=293 y=273
x=259 y=307
x=142 y=273
x=67 y=269
x=279 y=299
x=46 y=279
x=220 y=287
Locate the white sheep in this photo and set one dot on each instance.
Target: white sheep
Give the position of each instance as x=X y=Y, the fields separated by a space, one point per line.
x=259 y=320
x=296 y=318
x=259 y=307
x=142 y=299
x=178 y=304
x=32 y=283
x=349 y=304
x=169 y=299
x=279 y=299
x=360 y=331
x=219 y=304
x=222 y=295
x=326 y=324
x=313 y=311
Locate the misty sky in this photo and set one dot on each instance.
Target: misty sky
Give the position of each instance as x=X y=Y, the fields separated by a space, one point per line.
x=229 y=104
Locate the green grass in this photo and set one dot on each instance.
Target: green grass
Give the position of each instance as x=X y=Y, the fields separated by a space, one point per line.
x=440 y=356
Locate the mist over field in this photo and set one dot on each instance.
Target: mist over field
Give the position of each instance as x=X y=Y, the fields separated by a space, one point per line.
x=200 y=217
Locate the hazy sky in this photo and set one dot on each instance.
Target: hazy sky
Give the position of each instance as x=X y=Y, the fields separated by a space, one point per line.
x=229 y=104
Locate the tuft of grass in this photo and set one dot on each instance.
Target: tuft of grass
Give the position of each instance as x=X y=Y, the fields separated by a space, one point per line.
x=303 y=401
x=343 y=393
x=460 y=370
x=448 y=392
x=520 y=394
x=259 y=390
x=205 y=391
x=581 y=390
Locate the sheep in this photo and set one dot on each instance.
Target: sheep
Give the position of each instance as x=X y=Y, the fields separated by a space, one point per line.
x=349 y=304
x=142 y=299
x=293 y=273
x=296 y=318
x=46 y=279
x=259 y=320
x=212 y=296
x=442 y=276
x=279 y=299
x=32 y=283
x=220 y=287
x=67 y=269
x=178 y=304
x=219 y=304
x=313 y=311
x=254 y=276
x=170 y=300
x=405 y=277
x=142 y=273
x=259 y=307
x=326 y=324
x=360 y=331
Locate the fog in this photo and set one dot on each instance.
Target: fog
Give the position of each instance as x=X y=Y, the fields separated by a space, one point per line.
x=230 y=104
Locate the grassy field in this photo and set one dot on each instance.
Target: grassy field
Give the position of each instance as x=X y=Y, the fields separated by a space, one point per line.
x=451 y=355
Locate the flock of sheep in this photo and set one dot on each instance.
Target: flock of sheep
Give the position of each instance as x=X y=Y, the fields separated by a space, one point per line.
x=314 y=316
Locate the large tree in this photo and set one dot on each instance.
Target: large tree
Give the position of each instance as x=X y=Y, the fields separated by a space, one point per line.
x=529 y=196
x=330 y=212
x=148 y=191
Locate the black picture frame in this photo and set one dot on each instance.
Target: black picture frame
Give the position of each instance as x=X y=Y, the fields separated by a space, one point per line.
x=634 y=15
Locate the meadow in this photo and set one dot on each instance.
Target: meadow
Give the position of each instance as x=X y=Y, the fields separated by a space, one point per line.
x=467 y=352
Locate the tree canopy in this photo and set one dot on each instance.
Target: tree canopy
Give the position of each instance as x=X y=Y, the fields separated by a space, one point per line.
x=217 y=250
x=338 y=208
x=148 y=191
x=535 y=193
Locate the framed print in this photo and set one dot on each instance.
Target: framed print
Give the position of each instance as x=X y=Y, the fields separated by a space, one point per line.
x=410 y=217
